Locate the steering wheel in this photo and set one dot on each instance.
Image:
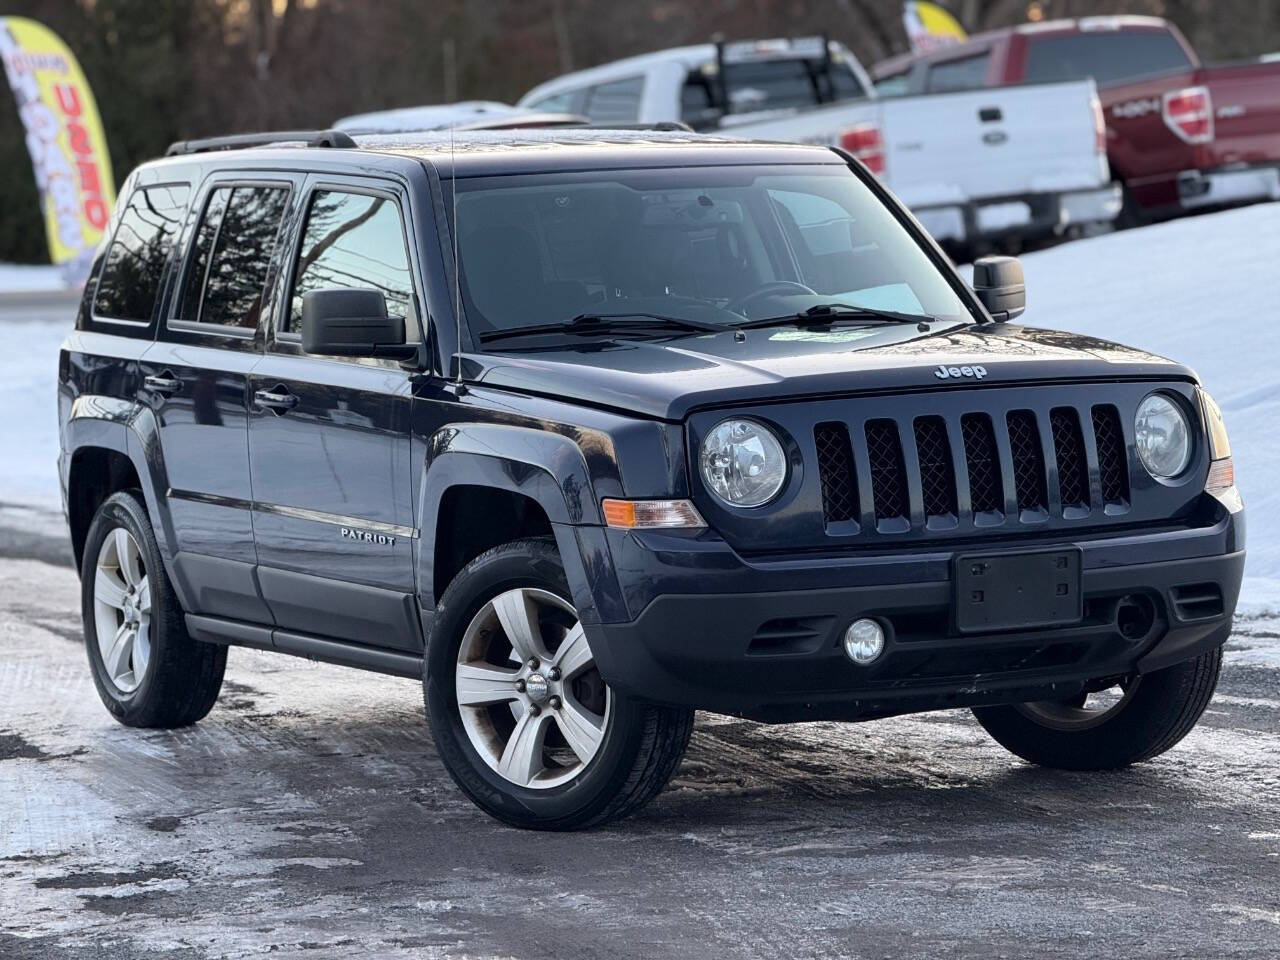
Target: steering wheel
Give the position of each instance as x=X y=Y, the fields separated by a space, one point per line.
x=773 y=286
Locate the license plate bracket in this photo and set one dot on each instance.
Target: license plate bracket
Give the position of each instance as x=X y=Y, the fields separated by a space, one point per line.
x=1006 y=591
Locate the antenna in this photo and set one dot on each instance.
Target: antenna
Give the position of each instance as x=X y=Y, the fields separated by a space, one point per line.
x=457 y=282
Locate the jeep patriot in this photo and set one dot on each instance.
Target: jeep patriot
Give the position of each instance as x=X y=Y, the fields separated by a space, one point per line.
x=588 y=429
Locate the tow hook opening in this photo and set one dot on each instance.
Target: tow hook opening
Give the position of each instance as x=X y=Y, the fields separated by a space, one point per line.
x=1135 y=616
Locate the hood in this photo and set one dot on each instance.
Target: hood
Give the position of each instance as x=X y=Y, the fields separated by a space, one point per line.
x=670 y=377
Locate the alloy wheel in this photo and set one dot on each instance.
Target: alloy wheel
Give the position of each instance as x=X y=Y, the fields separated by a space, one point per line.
x=531 y=699
x=122 y=610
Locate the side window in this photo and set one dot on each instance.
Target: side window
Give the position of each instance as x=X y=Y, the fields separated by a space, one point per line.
x=135 y=262
x=565 y=102
x=898 y=85
x=231 y=255
x=967 y=74
x=616 y=102
x=353 y=240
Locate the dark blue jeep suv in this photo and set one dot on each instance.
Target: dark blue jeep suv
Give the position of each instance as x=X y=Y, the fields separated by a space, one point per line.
x=588 y=429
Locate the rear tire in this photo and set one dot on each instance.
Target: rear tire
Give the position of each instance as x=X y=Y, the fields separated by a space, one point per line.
x=545 y=747
x=1154 y=713
x=148 y=670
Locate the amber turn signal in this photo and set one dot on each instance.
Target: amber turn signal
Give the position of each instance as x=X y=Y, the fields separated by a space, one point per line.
x=641 y=514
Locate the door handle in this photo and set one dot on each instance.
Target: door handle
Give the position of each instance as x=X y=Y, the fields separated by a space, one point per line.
x=990 y=114
x=278 y=399
x=162 y=383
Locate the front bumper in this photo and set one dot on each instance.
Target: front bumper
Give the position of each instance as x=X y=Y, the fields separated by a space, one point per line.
x=761 y=638
x=1040 y=214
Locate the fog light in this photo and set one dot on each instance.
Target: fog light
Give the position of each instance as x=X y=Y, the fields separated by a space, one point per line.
x=864 y=641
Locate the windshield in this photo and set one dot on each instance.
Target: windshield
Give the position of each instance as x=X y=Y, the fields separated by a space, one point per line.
x=718 y=245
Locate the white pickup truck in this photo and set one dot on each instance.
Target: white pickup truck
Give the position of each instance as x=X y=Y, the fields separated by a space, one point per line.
x=977 y=167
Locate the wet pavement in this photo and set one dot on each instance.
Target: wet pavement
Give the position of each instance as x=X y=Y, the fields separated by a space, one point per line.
x=308 y=816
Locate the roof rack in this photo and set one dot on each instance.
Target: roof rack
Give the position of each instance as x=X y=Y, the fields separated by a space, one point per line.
x=239 y=141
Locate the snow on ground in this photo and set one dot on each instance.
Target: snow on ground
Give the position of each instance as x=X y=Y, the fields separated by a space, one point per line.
x=28 y=391
x=26 y=278
x=1204 y=291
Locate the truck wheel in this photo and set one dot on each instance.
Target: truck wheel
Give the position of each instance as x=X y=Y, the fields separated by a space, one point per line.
x=520 y=715
x=149 y=672
x=1140 y=718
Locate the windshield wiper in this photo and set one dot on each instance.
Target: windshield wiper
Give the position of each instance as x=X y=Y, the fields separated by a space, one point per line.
x=592 y=323
x=826 y=313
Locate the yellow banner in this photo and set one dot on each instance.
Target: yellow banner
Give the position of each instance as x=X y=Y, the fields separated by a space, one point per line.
x=64 y=137
x=930 y=27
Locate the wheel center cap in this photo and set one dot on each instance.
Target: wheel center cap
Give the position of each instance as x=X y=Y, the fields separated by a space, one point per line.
x=537 y=688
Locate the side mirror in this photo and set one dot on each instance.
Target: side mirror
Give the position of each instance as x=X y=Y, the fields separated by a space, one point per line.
x=999 y=285
x=352 y=323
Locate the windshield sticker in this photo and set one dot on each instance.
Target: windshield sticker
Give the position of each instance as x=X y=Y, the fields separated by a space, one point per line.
x=822 y=336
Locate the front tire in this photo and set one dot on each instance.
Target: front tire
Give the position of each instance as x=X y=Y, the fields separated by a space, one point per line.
x=520 y=715
x=148 y=670
x=1148 y=715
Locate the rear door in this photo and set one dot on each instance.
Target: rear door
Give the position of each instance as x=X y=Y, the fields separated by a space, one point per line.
x=329 y=446
x=195 y=379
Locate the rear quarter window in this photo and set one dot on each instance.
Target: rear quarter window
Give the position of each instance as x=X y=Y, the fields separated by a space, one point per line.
x=134 y=266
x=1107 y=57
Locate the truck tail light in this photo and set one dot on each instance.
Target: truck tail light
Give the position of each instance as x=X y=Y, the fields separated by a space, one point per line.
x=865 y=143
x=1189 y=114
x=1099 y=126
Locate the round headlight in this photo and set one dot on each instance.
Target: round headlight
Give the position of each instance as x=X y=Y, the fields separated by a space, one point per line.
x=743 y=463
x=1163 y=436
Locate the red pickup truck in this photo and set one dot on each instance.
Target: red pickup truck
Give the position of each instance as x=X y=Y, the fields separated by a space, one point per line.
x=1180 y=135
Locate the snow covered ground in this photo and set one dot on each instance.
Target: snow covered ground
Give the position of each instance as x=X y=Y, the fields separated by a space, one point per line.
x=1204 y=290
x=26 y=278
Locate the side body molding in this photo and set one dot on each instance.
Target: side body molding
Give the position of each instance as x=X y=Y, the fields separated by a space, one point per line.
x=547 y=467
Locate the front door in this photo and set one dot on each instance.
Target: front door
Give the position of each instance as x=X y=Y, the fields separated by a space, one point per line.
x=195 y=378
x=329 y=442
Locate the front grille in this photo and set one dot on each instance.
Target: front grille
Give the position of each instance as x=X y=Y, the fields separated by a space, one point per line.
x=1073 y=465
x=1113 y=466
x=835 y=467
x=1028 y=460
x=986 y=493
x=1006 y=454
x=888 y=472
x=937 y=475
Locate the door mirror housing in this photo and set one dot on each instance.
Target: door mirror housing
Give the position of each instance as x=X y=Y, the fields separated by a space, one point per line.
x=999 y=285
x=352 y=323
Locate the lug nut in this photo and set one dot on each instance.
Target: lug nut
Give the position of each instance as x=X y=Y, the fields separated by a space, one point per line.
x=534 y=709
x=533 y=663
x=520 y=685
x=553 y=673
x=555 y=703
